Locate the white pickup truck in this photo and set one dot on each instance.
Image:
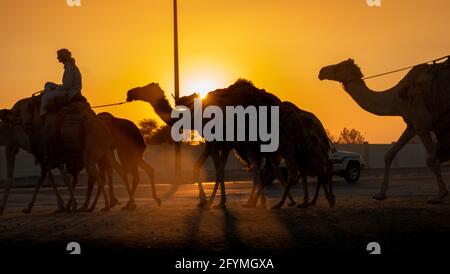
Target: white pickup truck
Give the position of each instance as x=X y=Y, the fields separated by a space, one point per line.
x=346 y=164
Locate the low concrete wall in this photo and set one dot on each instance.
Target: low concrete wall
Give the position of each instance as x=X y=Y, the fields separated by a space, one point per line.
x=412 y=155
x=161 y=157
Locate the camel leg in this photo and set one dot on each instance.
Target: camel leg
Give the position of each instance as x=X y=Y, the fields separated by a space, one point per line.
x=252 y=196
x=68 y=184
x=435 y=166
x=328 y=181
x=59 y=200
x=325 y=181
x=36 y=190
x=407 y=135
x=255 y=192
x=10 y=155
x=100 y=190
x=221 y=172
x=199 y=163
x=119 y=169
x=216 y=159
x=101 y=172
x=41 y=179
x=72 y=203
x=275 y=173
x=131 y=205
x=283 y=182
x=316 y=193
x=292 y=174
x=305 y=192
x=256 y=168
x=102 y=181
x=91 y=171
x=268 y=178
x=113 y=201
x=151 y=175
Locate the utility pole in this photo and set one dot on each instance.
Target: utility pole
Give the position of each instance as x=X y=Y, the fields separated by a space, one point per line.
x=177 y=88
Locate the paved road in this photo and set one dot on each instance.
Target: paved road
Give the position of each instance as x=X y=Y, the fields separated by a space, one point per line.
x=418 y=186
x=403 y=224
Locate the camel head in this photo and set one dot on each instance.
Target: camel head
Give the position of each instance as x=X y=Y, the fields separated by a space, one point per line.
x=105 y=116
x=4 y=114
x=188 y=100
x=149 y=93
x=343 y=72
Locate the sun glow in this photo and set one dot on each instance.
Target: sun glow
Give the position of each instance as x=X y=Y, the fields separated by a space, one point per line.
x=203 y=88
x=205 y=80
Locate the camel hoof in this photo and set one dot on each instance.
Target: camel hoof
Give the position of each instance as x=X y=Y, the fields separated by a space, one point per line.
x=277 y=206
x=60 y=210
x=219 y=206
x=302 y=205
x=331 y=199
x=26 y=210
x=105 y=209
x=130 y=206
x=292 y=204
x=82 y=209
x=439 y=199
x=158 y=201
x=380 y=197
x=435 y=201
x=74 y=207
x=262 y=206
x=91 y=209
x=202 y=203
x=249 y=205
x=71 y=206
x=113 y=203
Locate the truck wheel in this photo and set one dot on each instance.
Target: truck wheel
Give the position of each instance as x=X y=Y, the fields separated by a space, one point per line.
x=352 y=172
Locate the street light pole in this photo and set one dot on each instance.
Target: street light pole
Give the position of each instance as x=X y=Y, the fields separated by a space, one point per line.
x=177 y=88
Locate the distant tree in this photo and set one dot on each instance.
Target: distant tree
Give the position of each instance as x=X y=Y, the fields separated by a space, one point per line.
x=161 y=135
x=330 y=136
x=350 y=136
x=148 y=128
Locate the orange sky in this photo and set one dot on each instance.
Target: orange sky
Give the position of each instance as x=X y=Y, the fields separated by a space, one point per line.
x=278 y=44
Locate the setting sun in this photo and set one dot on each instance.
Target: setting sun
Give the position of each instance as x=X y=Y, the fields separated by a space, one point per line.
x=202 y=87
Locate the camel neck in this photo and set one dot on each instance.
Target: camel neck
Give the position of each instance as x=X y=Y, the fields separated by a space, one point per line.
x=382 y=103
x=163 y=109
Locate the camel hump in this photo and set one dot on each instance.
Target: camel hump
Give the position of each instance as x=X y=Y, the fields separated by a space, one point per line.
x=125 y=133
x=131 y=132
x=314 y=144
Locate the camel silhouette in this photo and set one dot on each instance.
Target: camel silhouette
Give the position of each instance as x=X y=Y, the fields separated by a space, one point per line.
x=421 y=98
x=242 y=93
x=130 y=146
x=26 y=112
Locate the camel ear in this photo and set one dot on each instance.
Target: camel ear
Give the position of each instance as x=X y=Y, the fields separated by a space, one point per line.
x=351 y=60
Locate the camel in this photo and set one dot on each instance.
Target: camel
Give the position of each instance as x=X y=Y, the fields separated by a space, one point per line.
x=13 y=138
x=312 y=151
x=130 y=147
x=154 y=95
x=319 y=156
x=242 y=93
x=412 y=98
x=26 y=111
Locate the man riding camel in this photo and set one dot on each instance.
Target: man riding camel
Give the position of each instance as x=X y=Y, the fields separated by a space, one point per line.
x=71 y=82
x=68 y=96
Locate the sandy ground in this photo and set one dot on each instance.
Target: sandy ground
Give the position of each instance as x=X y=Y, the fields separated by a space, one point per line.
x=403 y=224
